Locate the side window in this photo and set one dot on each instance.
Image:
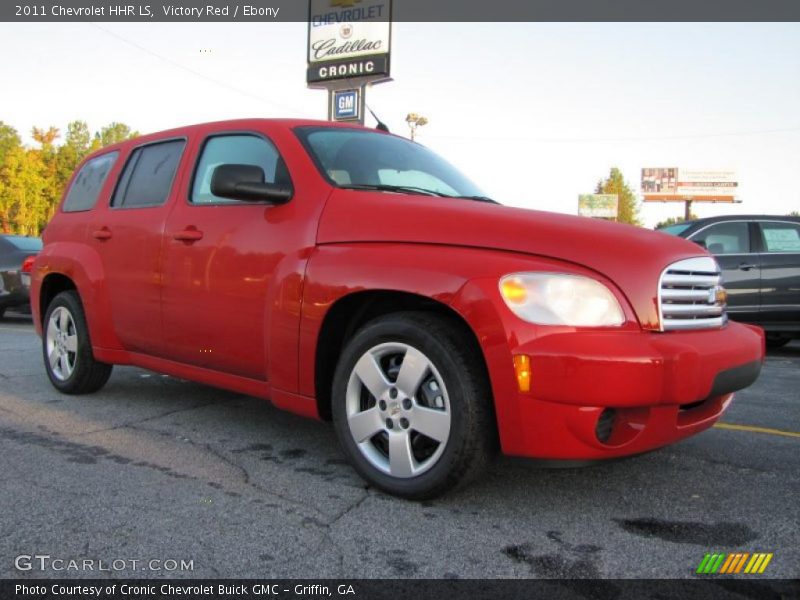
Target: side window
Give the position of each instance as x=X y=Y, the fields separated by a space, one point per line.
x=725 y=238
x=148 y=175
x=780 y=237
x=235 y=150
x=86 y=186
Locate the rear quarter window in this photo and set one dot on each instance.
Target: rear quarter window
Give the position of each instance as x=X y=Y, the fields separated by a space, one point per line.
x=781 y=237
x=86 y=186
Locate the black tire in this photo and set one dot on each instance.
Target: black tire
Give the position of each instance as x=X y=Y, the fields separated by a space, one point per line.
x=2 y=313
x=777 y=341
x=456 y=359
x=87 y=375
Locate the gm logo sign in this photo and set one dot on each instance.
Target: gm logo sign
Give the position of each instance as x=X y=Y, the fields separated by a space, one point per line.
x=346 y=105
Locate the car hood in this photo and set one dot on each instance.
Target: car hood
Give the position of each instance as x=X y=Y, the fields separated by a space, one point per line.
x=631 y=257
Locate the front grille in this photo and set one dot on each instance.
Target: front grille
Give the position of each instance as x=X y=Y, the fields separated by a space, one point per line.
x=691 y=296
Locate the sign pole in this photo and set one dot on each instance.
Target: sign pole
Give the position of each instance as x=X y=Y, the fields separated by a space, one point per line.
x=362 y=108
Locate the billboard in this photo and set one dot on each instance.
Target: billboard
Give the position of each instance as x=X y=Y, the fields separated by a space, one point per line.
x=348 y=39
x=602 y=206
x=664 y=184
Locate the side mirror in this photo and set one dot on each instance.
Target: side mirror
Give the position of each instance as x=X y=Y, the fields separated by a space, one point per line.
x=246 y=182
x=701 y=243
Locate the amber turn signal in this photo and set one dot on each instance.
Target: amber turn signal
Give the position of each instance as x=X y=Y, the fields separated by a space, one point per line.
x=514 y=290
x=522 y=365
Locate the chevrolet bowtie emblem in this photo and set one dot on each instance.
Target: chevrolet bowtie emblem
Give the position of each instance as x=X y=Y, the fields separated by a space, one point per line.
x=344 y=3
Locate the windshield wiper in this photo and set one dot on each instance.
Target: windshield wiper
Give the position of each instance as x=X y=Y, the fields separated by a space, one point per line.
x=393 y=188
x=478 y=198
x=383 y=187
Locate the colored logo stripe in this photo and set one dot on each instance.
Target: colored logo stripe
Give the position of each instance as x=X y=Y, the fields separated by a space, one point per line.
x=734 y=563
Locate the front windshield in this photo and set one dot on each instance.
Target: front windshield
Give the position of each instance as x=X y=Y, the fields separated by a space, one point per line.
x=675 y=229
x=363 y=159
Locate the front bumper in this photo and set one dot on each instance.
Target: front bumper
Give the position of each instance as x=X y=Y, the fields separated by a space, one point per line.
x=599 y=394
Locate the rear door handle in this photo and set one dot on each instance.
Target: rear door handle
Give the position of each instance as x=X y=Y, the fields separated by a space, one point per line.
x=746 y=267
x=102 y=234
x=190 y=234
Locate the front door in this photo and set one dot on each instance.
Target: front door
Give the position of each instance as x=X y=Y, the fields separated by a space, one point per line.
x=219 y=259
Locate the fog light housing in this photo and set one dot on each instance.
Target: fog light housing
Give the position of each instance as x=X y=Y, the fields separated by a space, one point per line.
x=605 y=425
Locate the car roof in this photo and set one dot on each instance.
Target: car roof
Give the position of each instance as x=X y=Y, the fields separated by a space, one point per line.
x=233 y=124
x=242 y=124
x=723 y=218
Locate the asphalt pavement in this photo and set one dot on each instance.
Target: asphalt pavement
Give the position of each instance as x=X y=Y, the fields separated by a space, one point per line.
x=153 y=471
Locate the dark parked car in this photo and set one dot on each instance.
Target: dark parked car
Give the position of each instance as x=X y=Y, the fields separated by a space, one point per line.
x=16 y=259
x=760 y=260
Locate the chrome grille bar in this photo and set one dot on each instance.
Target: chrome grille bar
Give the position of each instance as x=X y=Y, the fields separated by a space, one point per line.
x=691 y=296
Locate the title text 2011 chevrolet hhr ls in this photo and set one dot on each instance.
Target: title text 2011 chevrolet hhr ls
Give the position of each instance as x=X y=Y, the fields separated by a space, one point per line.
x=352 y=275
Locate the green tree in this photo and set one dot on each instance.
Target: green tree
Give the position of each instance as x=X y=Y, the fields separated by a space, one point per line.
x=615 y=183
x=45 y=159
x=10 y=144
x=795 y=213
x=32 y=180
x=9 y=138
x=673 y=221
x=25 y=191
x=77 y=144
x=114 y=133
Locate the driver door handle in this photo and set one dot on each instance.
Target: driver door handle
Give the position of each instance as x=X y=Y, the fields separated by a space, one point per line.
x=746 y=266
x=102 y=234
x=190 y=234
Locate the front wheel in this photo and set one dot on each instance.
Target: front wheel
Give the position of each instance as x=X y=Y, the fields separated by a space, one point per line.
x=412 y=405
x=67 y=349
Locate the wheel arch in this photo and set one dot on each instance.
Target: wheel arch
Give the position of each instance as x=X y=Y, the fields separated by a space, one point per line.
x=71 y=265
x=52 y=285
x=350 y=312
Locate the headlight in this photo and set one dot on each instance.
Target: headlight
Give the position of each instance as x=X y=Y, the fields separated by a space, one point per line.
x=560 y=299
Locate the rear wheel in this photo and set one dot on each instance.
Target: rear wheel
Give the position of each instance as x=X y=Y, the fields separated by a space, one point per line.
x=412 y=405
x=67 y=349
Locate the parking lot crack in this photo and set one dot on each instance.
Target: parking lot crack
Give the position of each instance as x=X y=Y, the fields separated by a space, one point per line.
x=354 y=506
x=245 y=475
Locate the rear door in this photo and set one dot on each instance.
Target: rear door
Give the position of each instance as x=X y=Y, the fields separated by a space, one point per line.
x=128 y=237
x=731 y=243
x=780 y=270
x=219 y=260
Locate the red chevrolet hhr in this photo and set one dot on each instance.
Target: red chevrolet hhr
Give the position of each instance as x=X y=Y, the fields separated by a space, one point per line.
x=351 y=275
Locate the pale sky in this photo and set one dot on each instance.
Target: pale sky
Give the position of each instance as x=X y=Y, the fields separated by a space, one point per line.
x=534 y=113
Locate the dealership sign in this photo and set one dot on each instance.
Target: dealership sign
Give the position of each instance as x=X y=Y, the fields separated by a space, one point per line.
x=348 y=39
x=600 y=206
x=674 y=184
